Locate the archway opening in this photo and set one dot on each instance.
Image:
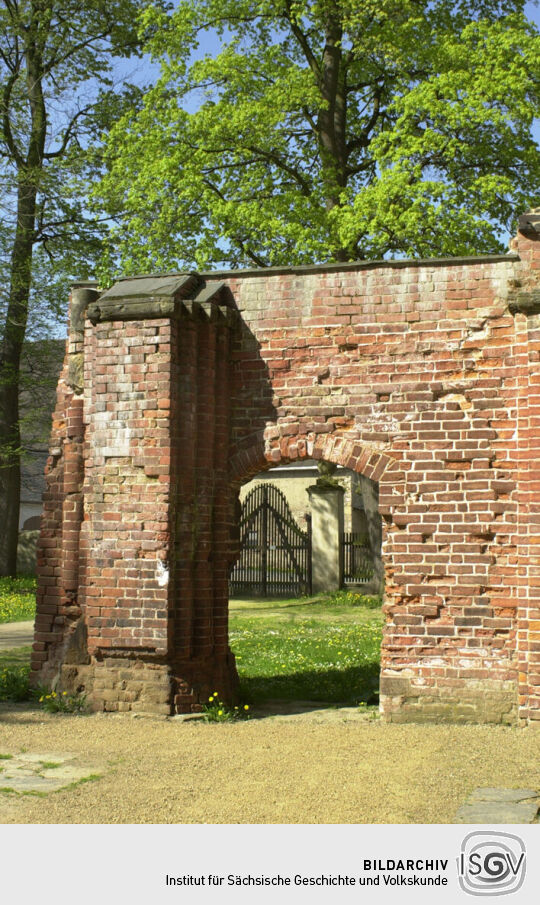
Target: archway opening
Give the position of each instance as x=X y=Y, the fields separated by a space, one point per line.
x=300 y=641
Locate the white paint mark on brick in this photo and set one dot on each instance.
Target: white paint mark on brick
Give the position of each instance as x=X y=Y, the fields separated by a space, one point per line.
x=162 y=574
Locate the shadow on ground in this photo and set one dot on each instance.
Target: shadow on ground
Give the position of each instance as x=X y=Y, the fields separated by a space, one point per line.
x=332 y=686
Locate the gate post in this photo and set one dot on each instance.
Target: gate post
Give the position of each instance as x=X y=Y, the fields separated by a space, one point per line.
x=326 y=502
x=151 y=579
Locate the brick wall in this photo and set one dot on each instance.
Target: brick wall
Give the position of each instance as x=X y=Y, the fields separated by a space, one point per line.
x=526 y=309
x=421 y=376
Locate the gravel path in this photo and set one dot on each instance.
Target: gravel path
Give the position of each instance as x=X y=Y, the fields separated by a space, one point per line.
x=264 y=770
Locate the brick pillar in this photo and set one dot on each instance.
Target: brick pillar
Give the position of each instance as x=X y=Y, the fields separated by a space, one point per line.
x=151 y=565
x=58 y=611
x=201 y=661
x=525 y=305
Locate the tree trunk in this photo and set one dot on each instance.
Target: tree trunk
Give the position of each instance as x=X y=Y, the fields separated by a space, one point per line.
x=10 y=357
x=332 y=122
x=29 y=166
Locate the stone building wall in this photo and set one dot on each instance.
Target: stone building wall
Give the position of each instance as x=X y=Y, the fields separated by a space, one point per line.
x=294 y=483
x=422 y=376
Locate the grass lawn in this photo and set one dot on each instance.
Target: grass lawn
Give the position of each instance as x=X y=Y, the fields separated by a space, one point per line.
x=17 y=599
x=17 y=604
x=16 y=656
x=14 y=670
x=317 y=649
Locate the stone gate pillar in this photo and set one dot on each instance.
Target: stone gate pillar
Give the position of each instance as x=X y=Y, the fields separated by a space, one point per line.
x=326 y=502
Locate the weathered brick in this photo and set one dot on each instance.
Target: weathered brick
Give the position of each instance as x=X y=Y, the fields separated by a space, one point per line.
x=416 y=375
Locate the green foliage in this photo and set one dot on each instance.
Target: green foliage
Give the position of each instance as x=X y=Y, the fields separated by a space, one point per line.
x=15 y=656
x=215 y=711
x=324 y=131
x=14 y=683
x=370 y=710
x=353 y=598
x=326 y=650
x=14 y=674
x=23 y=584
x=61 y=701
x=57 y=95
x=17 y=599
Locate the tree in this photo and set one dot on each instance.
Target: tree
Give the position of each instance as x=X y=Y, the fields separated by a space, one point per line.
x=55 y=92
x=327 y=130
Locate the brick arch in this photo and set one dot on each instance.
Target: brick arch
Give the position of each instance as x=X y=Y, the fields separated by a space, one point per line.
x=270 y=451
x=422 y=375
x=333 y=447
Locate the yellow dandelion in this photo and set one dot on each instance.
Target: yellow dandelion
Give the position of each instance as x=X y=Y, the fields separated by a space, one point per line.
x=246 y=706
x=220 y=712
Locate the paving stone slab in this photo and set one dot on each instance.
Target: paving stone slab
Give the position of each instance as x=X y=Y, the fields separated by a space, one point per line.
x=50 y=757
x=31 y=772
x=500 y=806
x=26 y=782
x=185 y=717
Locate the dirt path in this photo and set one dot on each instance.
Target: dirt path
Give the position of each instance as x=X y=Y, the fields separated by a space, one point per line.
x=264 y=770
x=16 y=634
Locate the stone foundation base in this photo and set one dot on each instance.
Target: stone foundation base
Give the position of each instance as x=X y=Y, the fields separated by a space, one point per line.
x=195 y=680
x=403 y=701
x=123 y=684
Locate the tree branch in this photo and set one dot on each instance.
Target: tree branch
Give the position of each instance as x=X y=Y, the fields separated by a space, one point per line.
x=50 y=155
x=8 y=134
x=362 y=140
x=283 y=165
x=304 y=44
x=251 y=255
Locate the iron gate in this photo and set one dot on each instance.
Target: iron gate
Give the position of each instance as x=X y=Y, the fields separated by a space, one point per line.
x=275 y=554
x=357 y=559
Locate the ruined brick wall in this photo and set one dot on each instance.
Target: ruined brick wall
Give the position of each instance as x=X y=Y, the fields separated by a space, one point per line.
x=59 y=620
x=422 y=376
x=524 y=304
